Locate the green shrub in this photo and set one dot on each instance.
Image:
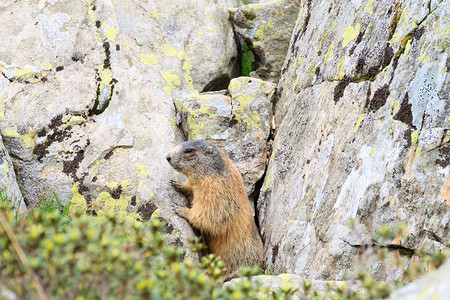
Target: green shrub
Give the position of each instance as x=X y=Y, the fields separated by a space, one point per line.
x=104 y=258
x=247 y=60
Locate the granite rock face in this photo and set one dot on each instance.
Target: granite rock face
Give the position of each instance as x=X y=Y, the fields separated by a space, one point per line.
x=266 y=28
x=435 y=285
x=86 y=95
x=362 y=133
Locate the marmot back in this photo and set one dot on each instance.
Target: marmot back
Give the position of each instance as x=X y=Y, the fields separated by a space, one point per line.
x=219 y=205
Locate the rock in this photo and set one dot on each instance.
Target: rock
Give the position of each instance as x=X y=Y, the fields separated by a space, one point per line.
x=362 y=133
x=7 y=294
x=435 y=285
x=267 y=29
x=239 y=124
x=86 y=93
x=8 y=184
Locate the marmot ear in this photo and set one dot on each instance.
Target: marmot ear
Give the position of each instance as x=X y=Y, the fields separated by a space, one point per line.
x=210 y=150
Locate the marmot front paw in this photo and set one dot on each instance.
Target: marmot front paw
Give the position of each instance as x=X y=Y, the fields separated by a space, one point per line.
x=175 y=184
x=179 y=210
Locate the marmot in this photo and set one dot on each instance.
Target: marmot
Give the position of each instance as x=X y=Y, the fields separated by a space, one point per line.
x=219 y=205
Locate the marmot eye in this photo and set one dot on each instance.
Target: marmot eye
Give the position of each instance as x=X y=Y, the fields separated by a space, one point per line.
x=189 y=151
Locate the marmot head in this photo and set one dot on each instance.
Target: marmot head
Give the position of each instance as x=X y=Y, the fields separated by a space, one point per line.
x=196 y=158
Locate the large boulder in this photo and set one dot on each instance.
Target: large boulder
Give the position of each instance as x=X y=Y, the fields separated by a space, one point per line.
x=435 y=285
x=86 y=91
x=362 y=133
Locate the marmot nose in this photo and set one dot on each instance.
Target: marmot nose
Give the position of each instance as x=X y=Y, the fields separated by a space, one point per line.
x=168 y=158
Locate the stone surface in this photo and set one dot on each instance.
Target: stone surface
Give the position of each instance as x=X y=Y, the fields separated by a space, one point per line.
x=8 y=182
x=267 y=28
x=435 y=285
x=239 y=124
x=7 y=294
x=86 y=96
x=362 y=133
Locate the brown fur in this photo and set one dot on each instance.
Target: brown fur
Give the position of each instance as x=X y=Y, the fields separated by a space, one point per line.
x=219 y=205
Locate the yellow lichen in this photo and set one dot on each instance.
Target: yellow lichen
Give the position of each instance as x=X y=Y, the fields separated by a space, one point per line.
x=415 y=137
x=172 y=79
x=112 y=185
x=187 y=67
x=143 y=171
x=106 y=203
x=340 y=67
x=350 y=33
x=106 y=75
x=169 y=50
x=419 y=151
x=286 y=281
x=23 y=73
x=167 y=90
x=396 y=106
x=329 y=52
x=125 y=183
x=155 y=14
x=295 y=84
x=91 y=15
x=47 y=66
x=369 y=7
x=149 y=59
x=407 y=47
x=111 y=33
x=156 y=214
x=77 y=201
x=259 y=33
x=27 y=139
x=360 y=119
